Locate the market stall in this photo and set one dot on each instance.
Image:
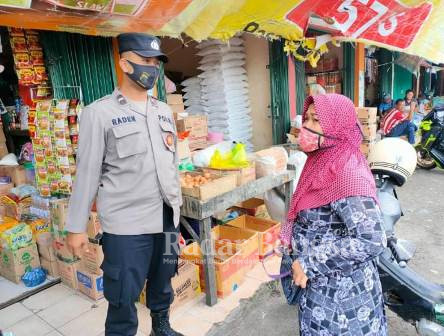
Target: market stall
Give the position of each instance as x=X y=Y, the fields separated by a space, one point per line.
x=204 y=210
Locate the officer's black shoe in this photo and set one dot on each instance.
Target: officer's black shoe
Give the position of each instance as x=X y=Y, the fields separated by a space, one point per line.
x=160 y=324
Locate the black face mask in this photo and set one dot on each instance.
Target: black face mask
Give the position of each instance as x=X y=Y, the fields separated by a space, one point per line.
x=144 y=75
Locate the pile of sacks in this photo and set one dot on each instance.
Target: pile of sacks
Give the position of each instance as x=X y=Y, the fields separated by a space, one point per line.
x=192 y=96
x=223 y=88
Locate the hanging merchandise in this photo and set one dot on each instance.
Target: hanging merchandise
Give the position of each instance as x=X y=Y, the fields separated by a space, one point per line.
x=28 y=57
x=54 y=138
x=224 y=89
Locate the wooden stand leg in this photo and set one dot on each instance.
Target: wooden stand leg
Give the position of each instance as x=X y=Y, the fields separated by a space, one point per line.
x=288 y=193
x=207 y=247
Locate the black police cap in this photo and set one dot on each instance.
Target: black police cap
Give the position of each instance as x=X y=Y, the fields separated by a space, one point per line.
x=142 y=44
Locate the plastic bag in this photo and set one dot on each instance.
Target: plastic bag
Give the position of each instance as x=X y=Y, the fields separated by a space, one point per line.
x=34 y=277
x=202 y=158
x=236 y=158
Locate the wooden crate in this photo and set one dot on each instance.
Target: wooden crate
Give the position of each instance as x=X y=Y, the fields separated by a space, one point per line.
x=244 y=240
x=243 y=175
x=227 y=263
x=267 y=230
x=218 y=186
x=252 y=207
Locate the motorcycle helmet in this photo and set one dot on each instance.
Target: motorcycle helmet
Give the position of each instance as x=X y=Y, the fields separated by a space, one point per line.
x=393 y=157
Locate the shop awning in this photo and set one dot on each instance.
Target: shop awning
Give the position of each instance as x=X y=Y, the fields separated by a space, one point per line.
x=411 y=26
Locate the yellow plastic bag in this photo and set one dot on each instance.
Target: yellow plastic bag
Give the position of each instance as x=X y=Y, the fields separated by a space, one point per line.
x=236 y=158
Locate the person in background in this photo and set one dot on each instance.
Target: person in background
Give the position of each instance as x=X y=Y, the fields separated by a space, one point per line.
x=335 y=227
x=411 y=105
x=396 y=123
x=386 y=105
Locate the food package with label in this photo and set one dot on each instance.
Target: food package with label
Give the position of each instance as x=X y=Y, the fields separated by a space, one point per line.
x=17 y=237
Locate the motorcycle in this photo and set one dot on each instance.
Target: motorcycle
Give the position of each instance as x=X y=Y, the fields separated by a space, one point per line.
x=430 y=148
x=411 y=296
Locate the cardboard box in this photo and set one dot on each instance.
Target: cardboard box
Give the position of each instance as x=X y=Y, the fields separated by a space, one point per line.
x=367 y=115
x=17 y=174
x=253 y=207
x=366 y=147
x=177 y=110
x=3 y=149
x=46 y=251
x=243 y=240
x=197 y=125
x=198 y=143
x=94 y=226
x=68 y=273
x=14 y=210
x=174 y=99
x=218 y=186
x=227 y=262
x=186 y=284
x=91 y=260
x=183 y=149
x=90 y=284
x=51 y=267
x=243 y=175
x=62 y=252
x=58 y=214
x=5 y=188
x=369 y=131
x=267 y=229
x=14 y=264
x=2 y=135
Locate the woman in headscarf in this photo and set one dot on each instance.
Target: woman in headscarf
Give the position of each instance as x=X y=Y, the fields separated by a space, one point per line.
x=335 y=226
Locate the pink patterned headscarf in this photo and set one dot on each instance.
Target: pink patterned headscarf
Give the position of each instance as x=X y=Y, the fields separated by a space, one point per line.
x=338 y=169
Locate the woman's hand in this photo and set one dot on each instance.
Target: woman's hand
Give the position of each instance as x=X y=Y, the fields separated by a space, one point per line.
x=299 y=276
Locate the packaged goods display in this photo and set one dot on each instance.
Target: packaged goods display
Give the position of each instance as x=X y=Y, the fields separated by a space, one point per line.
x=54 y=141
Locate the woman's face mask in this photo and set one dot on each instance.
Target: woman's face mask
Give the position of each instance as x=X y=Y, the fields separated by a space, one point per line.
x=309 y=140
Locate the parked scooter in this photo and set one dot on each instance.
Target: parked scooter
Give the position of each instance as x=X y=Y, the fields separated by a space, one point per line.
x=430 y=149
x=411 y=296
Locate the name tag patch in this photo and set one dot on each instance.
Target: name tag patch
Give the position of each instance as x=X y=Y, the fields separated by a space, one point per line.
x=165 y=119
x=123 y=120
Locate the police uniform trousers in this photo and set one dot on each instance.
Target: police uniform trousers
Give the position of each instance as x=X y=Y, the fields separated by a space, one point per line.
x=129 y=260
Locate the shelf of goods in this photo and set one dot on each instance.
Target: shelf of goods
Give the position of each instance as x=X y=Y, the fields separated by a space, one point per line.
x=202 y=210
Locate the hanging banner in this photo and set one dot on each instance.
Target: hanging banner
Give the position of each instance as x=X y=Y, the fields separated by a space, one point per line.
x=411 y=26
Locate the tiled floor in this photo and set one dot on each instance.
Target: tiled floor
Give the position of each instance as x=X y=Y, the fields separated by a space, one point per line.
x=60 y=311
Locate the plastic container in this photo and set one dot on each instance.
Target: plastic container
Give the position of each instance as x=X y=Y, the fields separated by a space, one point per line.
x=30 y=173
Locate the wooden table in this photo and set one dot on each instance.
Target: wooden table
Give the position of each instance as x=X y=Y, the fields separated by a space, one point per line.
x=203 y=210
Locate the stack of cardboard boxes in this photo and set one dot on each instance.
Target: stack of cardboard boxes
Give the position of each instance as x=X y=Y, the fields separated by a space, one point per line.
x=175 y=102
x=3 y=147
x=367 y=117
x=197 y=126
x=83 y=274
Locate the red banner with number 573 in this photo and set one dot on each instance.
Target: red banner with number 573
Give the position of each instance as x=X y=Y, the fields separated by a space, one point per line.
x=384 y=21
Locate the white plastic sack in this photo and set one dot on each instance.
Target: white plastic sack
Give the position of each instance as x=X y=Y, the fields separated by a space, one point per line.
x=219 y=49
x=9 y=160
x=235 y=41
x=221 y=58
x=202 y=158
x=190 y=81
x=271 y=161
x=274 y=204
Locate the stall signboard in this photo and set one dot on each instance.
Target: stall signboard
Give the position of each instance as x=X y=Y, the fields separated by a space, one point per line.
x=411 y=26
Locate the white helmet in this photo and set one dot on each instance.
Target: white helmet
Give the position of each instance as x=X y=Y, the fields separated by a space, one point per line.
x=393 y=157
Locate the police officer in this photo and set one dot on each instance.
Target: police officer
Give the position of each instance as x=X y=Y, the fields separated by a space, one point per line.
x=127 y=158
